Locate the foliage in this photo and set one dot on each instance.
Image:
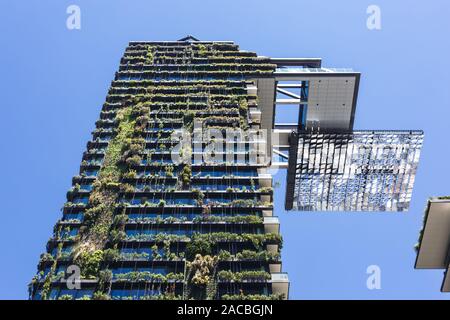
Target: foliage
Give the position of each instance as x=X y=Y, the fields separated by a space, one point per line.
x=104 y=280
x=242 y=296
x=256 y=239
x=188 y=120
x=103 y=199
x=202 y=50
x=120 y=220
x=45 y=257
x=224 y=255
x=161 y=203
x=262 y=255
x=169 y=170
x=89 y=263
x=149 y=56
x=136 y=276
x=198 y=245
x=135 y=256
x=244 y=275
x=201 y=269
x=162 y=296
x=233 y=219
x=116 y=236
x=100 y=296
x=186 y=175
x=111 y=255
x=134 y=160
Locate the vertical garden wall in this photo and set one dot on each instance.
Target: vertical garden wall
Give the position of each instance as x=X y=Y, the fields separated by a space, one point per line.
x=139 y=225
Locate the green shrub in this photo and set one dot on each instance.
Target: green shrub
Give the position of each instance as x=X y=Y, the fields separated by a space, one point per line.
x=89 y=263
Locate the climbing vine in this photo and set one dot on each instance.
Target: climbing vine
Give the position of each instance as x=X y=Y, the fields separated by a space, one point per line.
x=103 y=198
x=201 y=277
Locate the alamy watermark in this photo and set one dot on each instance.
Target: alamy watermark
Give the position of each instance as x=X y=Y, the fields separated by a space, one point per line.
x=73 y=21
x=73 y=280
x=374 y=19
x=374 y=279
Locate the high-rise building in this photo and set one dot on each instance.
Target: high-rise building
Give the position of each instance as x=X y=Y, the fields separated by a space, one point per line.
x=139 y=223
x=433 y=248
x=174 y=198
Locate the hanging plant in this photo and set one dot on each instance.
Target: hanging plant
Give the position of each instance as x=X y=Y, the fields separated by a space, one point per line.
x=89 y=263
x=186 y=176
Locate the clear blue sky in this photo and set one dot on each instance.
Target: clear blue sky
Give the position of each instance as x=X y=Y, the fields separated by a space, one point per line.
x=54 y=82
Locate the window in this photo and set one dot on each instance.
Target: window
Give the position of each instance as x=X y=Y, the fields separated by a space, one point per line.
x=134 y=294
x=73 y=216
x=55 y=293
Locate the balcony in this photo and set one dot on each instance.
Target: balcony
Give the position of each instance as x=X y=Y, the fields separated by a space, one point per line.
x=271 y=225
x=280 y=284
x=265 y=179
x=267 y=213
x=275 y=266
x=255 y=115
x=252 y=90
